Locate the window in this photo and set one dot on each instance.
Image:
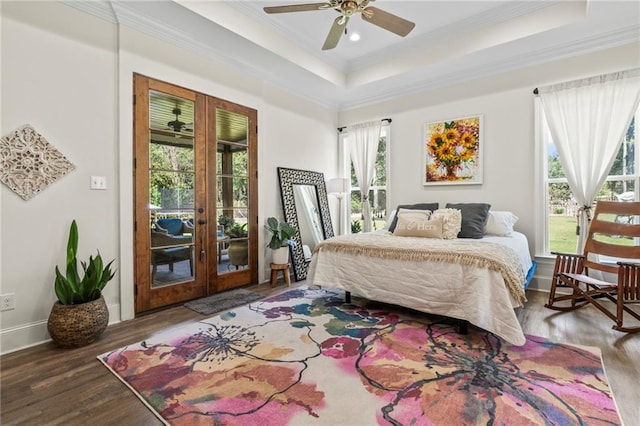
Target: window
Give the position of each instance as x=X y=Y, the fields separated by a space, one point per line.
x=378 y=193
x=560 y=208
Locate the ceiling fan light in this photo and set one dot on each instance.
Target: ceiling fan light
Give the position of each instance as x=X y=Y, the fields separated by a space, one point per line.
x=349 y=7
x=354 y=36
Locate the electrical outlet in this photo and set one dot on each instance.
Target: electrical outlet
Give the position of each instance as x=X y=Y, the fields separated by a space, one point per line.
x=7 y=302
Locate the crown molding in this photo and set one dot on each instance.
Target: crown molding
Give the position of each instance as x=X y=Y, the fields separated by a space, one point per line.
x=256 y=62
x=99 y=8
x=611 y=39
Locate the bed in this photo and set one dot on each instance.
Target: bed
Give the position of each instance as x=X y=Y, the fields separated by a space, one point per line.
x=476 y=280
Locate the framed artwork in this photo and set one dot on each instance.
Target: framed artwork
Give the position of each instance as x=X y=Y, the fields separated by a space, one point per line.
x=452 y=151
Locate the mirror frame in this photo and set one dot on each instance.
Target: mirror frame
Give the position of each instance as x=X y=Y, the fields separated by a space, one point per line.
x=288 y=178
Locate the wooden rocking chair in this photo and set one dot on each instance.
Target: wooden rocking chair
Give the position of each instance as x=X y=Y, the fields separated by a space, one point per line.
x=606 y=270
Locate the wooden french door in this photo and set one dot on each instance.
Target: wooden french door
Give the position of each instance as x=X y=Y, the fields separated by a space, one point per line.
x=195 y=184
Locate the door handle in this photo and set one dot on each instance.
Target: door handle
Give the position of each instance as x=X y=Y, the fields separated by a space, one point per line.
x=202 y=245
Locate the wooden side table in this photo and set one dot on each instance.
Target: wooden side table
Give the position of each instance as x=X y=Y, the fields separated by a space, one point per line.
x=284 y=267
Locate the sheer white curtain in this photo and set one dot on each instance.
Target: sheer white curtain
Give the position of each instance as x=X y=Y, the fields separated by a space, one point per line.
x=364 y=148
x=587 y=119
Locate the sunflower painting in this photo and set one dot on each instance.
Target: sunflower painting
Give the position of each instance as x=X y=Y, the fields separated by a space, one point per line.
x=452 y=151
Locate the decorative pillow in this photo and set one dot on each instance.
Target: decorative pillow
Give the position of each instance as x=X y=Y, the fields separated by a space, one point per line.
x=419 y=206
x=474 y=217
x=500 y=223
x=390 y=219
x=452 y=221
x=411 y=226
x=415 y=214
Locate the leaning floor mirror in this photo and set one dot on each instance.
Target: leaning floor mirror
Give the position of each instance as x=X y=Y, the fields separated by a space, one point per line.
x=306 y=208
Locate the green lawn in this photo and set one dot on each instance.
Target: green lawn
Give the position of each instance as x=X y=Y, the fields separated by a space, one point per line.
x=564 y=238
x=377 y=223
x=563 y=232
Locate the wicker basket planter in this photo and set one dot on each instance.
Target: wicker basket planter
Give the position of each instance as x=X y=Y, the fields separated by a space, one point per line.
x=72 y=326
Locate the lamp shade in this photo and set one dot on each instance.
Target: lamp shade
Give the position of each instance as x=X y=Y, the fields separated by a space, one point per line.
x=338 y=186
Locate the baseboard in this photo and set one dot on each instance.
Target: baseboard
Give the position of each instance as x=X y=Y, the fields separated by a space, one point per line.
x=540 y=284
x=542 y=279
x=24 y=336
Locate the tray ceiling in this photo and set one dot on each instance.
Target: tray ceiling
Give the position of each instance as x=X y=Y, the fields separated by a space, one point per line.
x=453 y=41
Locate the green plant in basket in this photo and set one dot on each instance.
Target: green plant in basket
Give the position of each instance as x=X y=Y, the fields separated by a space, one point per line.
x=73 y=289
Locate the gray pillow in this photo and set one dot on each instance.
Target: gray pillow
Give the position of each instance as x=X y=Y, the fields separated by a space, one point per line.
x=474 y=217
x=419 y=206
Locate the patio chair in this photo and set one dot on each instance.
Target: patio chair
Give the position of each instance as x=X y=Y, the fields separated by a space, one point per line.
x=167 y=249
x=174 y=226
x=606 y=271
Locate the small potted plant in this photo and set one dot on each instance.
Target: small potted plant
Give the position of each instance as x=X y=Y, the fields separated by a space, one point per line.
x=238 y=248
x=281 y=239
x=225 y=221
x=80 y=315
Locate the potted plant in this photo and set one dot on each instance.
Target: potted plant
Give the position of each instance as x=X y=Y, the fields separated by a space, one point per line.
x=80 y=315
x=238 y=248
x=281 y=239
x=225 y=221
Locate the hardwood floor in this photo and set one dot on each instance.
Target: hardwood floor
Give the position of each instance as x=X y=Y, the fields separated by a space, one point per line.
x=46 y=385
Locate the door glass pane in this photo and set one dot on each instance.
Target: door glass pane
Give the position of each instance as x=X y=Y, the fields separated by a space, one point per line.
x=235 y=189
x=171 y=189
x=232 y=168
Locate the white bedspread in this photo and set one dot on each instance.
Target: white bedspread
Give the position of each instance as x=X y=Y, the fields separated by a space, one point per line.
x=469 y=292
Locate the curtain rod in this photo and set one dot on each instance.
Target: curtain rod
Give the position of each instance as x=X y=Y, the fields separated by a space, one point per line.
x=340 y=129
x=598 y=79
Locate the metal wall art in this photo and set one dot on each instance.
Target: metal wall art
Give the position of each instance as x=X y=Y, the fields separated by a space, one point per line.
x=29 y=163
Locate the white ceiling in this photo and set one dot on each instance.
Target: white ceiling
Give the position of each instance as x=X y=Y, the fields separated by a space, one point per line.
x=452 y=41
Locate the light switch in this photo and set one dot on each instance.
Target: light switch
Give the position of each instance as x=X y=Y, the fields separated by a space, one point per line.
x=98 y=182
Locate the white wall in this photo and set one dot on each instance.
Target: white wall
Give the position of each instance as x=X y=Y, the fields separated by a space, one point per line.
x=70 y=75
x=58 y=74
x=507 y=103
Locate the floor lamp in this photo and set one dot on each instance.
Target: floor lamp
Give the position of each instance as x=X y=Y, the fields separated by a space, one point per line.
x=339 y=187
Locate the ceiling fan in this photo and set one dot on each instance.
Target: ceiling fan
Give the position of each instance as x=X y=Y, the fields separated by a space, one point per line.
x=347 y=8
x=177 y=125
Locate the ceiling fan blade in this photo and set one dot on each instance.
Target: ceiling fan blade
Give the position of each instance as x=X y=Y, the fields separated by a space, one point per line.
x=296 y=7
x=388 y=21
x=336 y=31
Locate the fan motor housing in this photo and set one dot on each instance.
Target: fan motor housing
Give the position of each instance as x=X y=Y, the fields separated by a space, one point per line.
x=348 y=7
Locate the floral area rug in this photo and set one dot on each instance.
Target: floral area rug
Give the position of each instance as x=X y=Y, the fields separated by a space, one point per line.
x=304 y=357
